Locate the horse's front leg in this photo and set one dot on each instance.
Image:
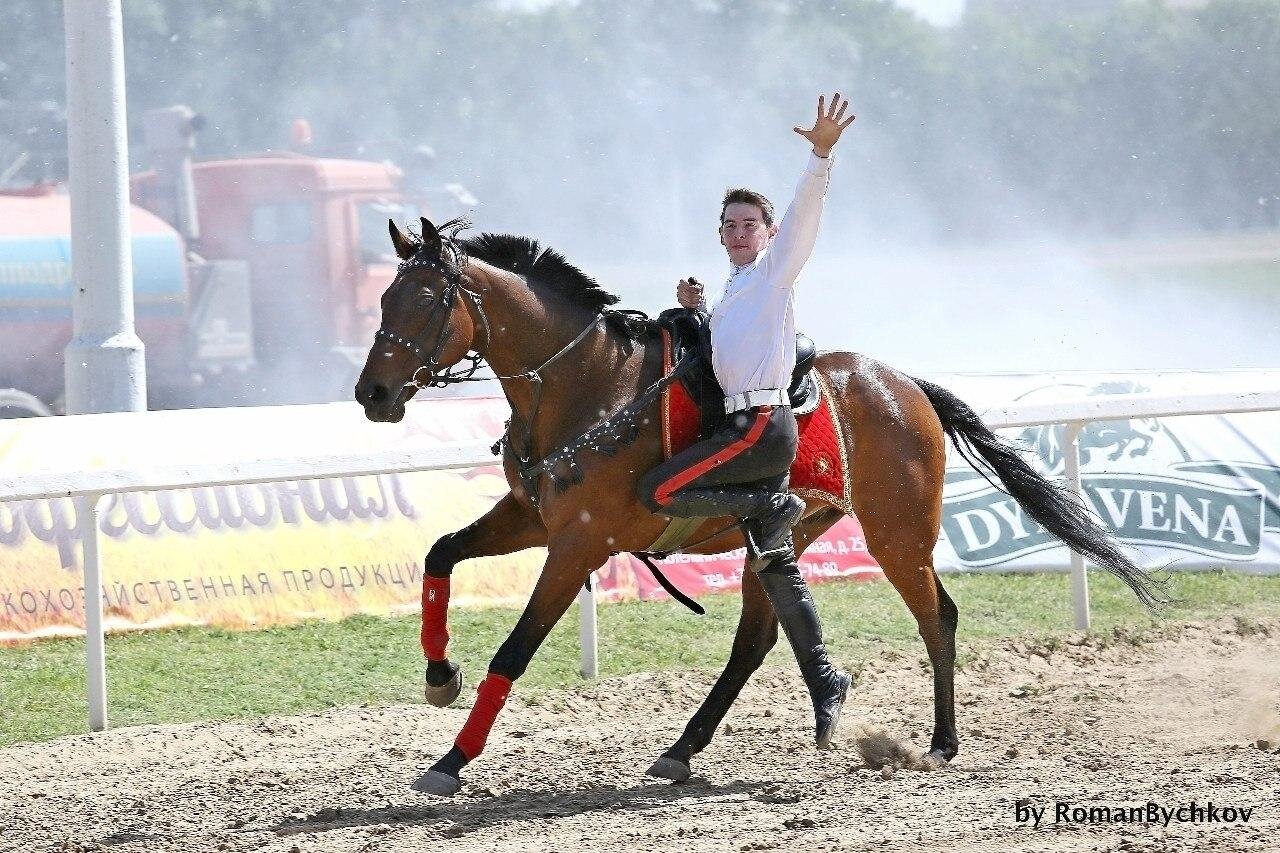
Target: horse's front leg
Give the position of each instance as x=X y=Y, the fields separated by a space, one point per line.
x=509 y=526
x=566 y=570
x=757 y=634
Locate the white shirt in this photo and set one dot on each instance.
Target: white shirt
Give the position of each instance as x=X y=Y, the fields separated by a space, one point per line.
x=753 y=333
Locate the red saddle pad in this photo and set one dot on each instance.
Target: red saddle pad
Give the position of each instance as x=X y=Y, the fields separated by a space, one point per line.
x=821 y=468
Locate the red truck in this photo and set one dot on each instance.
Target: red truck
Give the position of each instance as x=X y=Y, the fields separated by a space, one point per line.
x=256 y=279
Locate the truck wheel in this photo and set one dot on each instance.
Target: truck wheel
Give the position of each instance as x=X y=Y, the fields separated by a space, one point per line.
x=20 y=404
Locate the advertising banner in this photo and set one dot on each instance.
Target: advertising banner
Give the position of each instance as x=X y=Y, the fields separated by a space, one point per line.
x=1184 y=492
x=242 y=556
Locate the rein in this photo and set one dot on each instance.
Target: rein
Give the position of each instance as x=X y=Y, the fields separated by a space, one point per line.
x=561 y=464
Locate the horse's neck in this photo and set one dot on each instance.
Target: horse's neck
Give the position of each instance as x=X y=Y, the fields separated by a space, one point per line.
x=525 y=327
x=529 y=327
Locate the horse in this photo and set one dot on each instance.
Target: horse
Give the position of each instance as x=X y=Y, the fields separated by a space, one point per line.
x=568 y=364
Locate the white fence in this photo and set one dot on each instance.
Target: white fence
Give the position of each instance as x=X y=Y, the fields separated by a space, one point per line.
x=88 y=487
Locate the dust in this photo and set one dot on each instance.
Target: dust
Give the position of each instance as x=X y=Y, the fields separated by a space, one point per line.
x=879 y=749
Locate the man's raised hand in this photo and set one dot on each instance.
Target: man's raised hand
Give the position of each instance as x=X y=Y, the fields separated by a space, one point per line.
x=828 y=126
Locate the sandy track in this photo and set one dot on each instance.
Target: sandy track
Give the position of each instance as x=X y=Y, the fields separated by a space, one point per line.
x=1172 y=720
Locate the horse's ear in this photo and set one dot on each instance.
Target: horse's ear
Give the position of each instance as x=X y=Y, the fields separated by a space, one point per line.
x=404 y=246
x=431 y=238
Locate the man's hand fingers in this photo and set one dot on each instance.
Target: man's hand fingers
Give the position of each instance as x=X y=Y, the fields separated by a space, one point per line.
x=801 y=131
x=840 y=112
x=822 y=101
x=835 y=99
x=847 y=122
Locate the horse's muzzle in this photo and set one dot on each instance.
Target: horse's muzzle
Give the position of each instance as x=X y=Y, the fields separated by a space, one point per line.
x=380 y=405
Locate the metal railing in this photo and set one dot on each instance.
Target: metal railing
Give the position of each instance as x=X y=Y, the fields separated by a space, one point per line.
x=87 y=488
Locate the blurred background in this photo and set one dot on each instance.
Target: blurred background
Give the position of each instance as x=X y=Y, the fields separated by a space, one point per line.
x=1029 y=185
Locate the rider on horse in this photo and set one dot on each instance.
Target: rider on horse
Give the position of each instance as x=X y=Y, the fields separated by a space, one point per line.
x=742 y=469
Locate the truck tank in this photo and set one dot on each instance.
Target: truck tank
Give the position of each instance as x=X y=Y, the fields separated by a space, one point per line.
x=36 y=281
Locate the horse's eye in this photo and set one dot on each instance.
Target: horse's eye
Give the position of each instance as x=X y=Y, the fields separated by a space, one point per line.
x=426 y=297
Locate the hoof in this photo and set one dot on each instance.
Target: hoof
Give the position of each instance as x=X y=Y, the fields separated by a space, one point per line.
x=443 y=695
x=670 y=768
x=440 y=784
x=935 y=760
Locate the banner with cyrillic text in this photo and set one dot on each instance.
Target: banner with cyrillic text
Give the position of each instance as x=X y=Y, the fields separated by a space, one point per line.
x=242 y=556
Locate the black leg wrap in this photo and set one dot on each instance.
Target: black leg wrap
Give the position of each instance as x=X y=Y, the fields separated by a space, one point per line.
x=799 y=617
x=442 y=557
x=452 y=762
x=440 y=672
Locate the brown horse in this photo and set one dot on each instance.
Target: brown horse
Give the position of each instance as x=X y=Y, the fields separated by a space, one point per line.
x=566 y=363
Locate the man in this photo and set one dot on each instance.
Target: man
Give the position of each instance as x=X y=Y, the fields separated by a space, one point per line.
x=742 y=470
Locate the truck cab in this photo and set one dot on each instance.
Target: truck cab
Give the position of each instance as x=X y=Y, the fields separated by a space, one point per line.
x=312 y=232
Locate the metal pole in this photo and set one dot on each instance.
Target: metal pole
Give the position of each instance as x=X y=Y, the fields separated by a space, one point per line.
x=587 y=634
x=1079 y=578
x=104 y=360
x=95 y=635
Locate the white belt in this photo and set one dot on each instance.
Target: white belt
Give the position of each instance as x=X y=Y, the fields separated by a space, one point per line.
x=751 y=399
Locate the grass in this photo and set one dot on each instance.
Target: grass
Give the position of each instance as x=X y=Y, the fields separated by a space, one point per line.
x=191 y=674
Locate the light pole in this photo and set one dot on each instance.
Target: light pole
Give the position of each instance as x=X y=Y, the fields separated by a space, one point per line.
x=105 y=371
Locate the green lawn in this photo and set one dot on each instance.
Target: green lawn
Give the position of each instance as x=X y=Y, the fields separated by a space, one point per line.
x=198 y=673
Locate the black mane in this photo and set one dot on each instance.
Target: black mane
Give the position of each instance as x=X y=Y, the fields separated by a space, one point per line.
x=528 y=258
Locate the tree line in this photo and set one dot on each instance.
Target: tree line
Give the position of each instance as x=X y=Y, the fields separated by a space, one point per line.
x=1100 y=118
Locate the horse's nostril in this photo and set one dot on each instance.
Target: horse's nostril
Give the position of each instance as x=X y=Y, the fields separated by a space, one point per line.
x=370 y=393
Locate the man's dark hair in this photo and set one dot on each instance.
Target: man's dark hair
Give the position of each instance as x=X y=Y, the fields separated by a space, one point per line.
x=742 y=195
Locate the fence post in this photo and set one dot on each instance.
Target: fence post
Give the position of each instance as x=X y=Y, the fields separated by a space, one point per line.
x=587 y=635
x=1079 y=577
x=94 y=634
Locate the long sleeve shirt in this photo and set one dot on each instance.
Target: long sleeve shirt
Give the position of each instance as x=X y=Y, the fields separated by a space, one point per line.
x=753 y=333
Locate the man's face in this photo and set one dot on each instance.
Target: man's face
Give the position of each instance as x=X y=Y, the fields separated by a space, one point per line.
x=743 y=232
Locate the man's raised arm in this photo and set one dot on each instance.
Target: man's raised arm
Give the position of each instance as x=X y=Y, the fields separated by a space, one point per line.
x=798 y=230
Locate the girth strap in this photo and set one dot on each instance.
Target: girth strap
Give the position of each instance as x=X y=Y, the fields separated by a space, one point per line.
x=669 y=586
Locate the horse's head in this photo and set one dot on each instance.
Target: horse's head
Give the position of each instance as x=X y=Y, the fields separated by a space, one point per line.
x=427 y=325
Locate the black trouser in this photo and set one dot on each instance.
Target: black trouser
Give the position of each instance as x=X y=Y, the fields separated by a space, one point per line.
x=742 y=471
x=753 y=449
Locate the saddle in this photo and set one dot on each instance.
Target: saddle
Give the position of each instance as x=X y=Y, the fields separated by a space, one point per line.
x=693 y=408
x=690 y=333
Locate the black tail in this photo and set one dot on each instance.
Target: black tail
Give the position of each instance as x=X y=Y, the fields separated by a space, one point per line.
x=1053 y=507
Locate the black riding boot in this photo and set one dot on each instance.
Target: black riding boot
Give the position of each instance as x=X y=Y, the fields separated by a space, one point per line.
x=799 y=617
x=772 y=514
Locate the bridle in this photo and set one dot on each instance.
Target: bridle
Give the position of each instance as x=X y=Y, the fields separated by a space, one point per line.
x=430 y=362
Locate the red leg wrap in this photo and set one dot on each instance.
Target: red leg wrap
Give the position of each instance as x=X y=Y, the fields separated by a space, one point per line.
x=435 y=617
x=491 y=695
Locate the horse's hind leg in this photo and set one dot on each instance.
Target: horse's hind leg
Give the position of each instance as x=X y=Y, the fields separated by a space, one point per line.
x=898 y=464
x=757 y=633
x=509 y=526
x=903 y=546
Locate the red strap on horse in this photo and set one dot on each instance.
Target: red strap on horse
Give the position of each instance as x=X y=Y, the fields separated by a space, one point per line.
x=435 y=617
x=491 y=695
